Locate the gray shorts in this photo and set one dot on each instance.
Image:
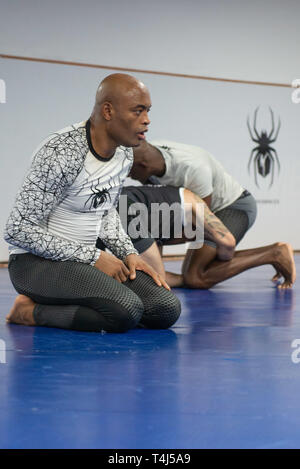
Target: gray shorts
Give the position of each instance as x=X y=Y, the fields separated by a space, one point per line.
x=147 y=195
x=238 y=217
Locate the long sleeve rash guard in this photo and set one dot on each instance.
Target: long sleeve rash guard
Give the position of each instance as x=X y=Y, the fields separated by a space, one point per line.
x=68 y=198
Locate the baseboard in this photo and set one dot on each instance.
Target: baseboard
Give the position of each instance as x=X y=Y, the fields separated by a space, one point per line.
x=170 y=257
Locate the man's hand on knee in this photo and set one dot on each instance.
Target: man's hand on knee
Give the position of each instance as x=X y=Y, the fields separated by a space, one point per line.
x=135 y=262
x=112 y=266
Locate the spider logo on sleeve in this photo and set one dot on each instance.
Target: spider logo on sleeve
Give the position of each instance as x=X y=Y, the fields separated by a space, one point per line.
x=263 y=157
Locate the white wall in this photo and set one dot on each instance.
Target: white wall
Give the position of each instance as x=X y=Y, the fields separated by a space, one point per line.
x=254 y=41
x=242 y=39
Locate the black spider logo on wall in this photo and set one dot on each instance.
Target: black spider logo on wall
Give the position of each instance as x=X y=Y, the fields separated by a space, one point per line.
x=98 y=196
x=263 y=157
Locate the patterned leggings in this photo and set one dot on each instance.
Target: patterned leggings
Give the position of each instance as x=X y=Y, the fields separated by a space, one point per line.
x=72 y=295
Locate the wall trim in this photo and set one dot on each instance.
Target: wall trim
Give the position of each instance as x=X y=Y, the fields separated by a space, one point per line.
x=136 y=70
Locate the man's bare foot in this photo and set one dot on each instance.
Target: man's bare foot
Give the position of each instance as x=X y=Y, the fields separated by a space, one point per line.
x=284 y=265
x=22 y=311
x=174 y=280
x=276 y=277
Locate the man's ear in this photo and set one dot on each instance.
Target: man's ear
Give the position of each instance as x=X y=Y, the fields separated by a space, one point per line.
x=107 y=110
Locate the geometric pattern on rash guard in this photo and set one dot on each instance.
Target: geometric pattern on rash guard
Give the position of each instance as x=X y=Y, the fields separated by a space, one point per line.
x=54 y=168
x=111 y=226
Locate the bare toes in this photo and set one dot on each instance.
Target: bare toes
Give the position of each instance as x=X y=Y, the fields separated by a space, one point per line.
x=276 y=277
x=285 y=285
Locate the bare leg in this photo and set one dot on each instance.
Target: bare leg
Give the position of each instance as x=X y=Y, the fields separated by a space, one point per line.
x=205 y=267
x=278 y=274
x=214 y=230
x=22 y=311
x=201 y=269
x=174 y=280
x=153 y=257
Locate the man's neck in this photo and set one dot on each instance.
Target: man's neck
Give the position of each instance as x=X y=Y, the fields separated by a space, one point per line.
x=101 y=142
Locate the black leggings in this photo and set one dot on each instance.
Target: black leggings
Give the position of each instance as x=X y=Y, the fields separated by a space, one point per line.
x=72 y=295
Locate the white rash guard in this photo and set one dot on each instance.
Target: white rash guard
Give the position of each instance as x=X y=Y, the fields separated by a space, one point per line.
x=68 y=199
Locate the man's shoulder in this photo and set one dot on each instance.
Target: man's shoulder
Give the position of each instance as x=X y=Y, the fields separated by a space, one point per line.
x=182 y=153
x=74 y=131
x=67 y=139
x=72 y=128
x=175 y=147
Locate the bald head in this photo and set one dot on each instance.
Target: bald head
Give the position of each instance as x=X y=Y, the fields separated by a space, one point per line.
x=117 y=87
x=121 y=110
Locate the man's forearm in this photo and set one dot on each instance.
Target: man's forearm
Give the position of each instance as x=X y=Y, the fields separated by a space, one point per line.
x=216 y=231
x=114 y=237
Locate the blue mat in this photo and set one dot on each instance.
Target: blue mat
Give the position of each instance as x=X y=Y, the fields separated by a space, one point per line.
x=222 y=377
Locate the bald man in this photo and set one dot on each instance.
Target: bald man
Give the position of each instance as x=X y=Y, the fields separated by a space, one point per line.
x=66 y=201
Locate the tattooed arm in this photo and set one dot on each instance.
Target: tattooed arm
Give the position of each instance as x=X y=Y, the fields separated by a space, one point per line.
x=216 y=231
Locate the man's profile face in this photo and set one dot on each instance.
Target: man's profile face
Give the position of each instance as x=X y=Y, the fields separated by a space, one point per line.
x=130 y=118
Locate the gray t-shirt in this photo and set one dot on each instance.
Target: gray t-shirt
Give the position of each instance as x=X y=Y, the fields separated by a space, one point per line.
x=197 y=170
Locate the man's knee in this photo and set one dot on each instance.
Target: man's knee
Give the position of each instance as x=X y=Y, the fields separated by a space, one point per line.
x=125 y=318
x=115 y=316
x=162 y=311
